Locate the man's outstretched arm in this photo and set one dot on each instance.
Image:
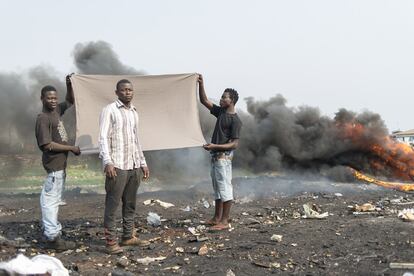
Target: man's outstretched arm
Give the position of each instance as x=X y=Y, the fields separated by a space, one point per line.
x=70 y=98
x=202 y=93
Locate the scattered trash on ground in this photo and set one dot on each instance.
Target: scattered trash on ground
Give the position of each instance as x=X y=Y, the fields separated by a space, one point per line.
x=153 y=219
x=174 y=268
x=148 y=260
x=277 y=238
x=123 y=262
x=193 y=231
x=148 y=202
x=163 y=204
x=230 y=273
x=406 y=214
x=402 y=265
x=203 y=250
x=366 y=207
x=40 y=264
x=312 y=212
x=205 y=203
x=263 y=229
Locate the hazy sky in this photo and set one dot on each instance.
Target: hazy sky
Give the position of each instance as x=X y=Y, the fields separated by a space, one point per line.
x=330 y=54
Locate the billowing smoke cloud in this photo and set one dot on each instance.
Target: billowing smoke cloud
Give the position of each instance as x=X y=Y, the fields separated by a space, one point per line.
x=274 y=136
x=99 y=58
x=19 y=104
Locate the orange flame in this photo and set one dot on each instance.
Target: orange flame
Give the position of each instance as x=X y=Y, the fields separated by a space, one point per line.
x=392 y=155
x=403 y=187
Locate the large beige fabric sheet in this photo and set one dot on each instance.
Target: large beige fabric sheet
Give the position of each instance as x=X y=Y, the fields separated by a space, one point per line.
x=166 y=105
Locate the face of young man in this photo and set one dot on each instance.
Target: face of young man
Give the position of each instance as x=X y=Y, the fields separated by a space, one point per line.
x=225 y=100
x=50 y=100
x=125 y=93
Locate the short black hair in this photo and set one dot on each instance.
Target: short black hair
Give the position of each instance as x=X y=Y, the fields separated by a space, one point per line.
x=122 y=82
x=47 y=88
x=233 y=94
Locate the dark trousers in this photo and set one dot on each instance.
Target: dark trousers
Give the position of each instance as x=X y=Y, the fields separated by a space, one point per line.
x=124 y=186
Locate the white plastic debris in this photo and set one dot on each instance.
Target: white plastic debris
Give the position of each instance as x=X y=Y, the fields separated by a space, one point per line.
x=230 y=273
x=406 y=214
x=277 y=238
x=186 y=209
x=174 y=268
x=148 y=260
x=275 y=265
x=205 y=203
x=397 y=200
x=313 y=214
x=153 y=219
x=201 y=228
x=338 y=194
x=40 y=264
x=148 y=202
x=163 y=204
x=193 y=231
x=366 y=207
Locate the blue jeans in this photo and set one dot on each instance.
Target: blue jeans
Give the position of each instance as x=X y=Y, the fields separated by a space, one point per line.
x=49 y=203
x=221 y=175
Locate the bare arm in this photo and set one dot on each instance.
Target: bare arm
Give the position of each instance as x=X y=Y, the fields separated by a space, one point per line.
x=202 y=93
x=232 y=144
x=56 y=147
x=70 y=98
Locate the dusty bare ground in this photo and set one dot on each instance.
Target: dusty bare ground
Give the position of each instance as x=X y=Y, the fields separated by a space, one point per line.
x=342 y=244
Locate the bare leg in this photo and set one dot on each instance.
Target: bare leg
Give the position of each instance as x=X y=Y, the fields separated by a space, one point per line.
x=217 y=213
x=226 y=212
x=223 y=224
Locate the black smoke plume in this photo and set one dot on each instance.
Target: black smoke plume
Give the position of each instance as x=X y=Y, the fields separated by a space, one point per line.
x=19 y=104
x=280 y=137
x=274 y=136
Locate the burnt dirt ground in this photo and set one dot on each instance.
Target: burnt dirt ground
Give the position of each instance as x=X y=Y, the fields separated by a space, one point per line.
x=344 y=243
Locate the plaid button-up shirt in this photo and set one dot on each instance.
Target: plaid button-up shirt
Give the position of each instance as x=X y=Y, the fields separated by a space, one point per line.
x=118 y=137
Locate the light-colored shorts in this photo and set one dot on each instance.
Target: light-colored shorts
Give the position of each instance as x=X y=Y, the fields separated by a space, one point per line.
x=221 y=177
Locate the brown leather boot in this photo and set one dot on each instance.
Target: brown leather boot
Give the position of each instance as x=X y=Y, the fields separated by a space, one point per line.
x=134 y=241
x=114 y=249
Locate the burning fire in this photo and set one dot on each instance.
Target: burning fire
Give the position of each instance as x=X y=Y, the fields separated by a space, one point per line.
x=387 y=156
x=403 y=187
